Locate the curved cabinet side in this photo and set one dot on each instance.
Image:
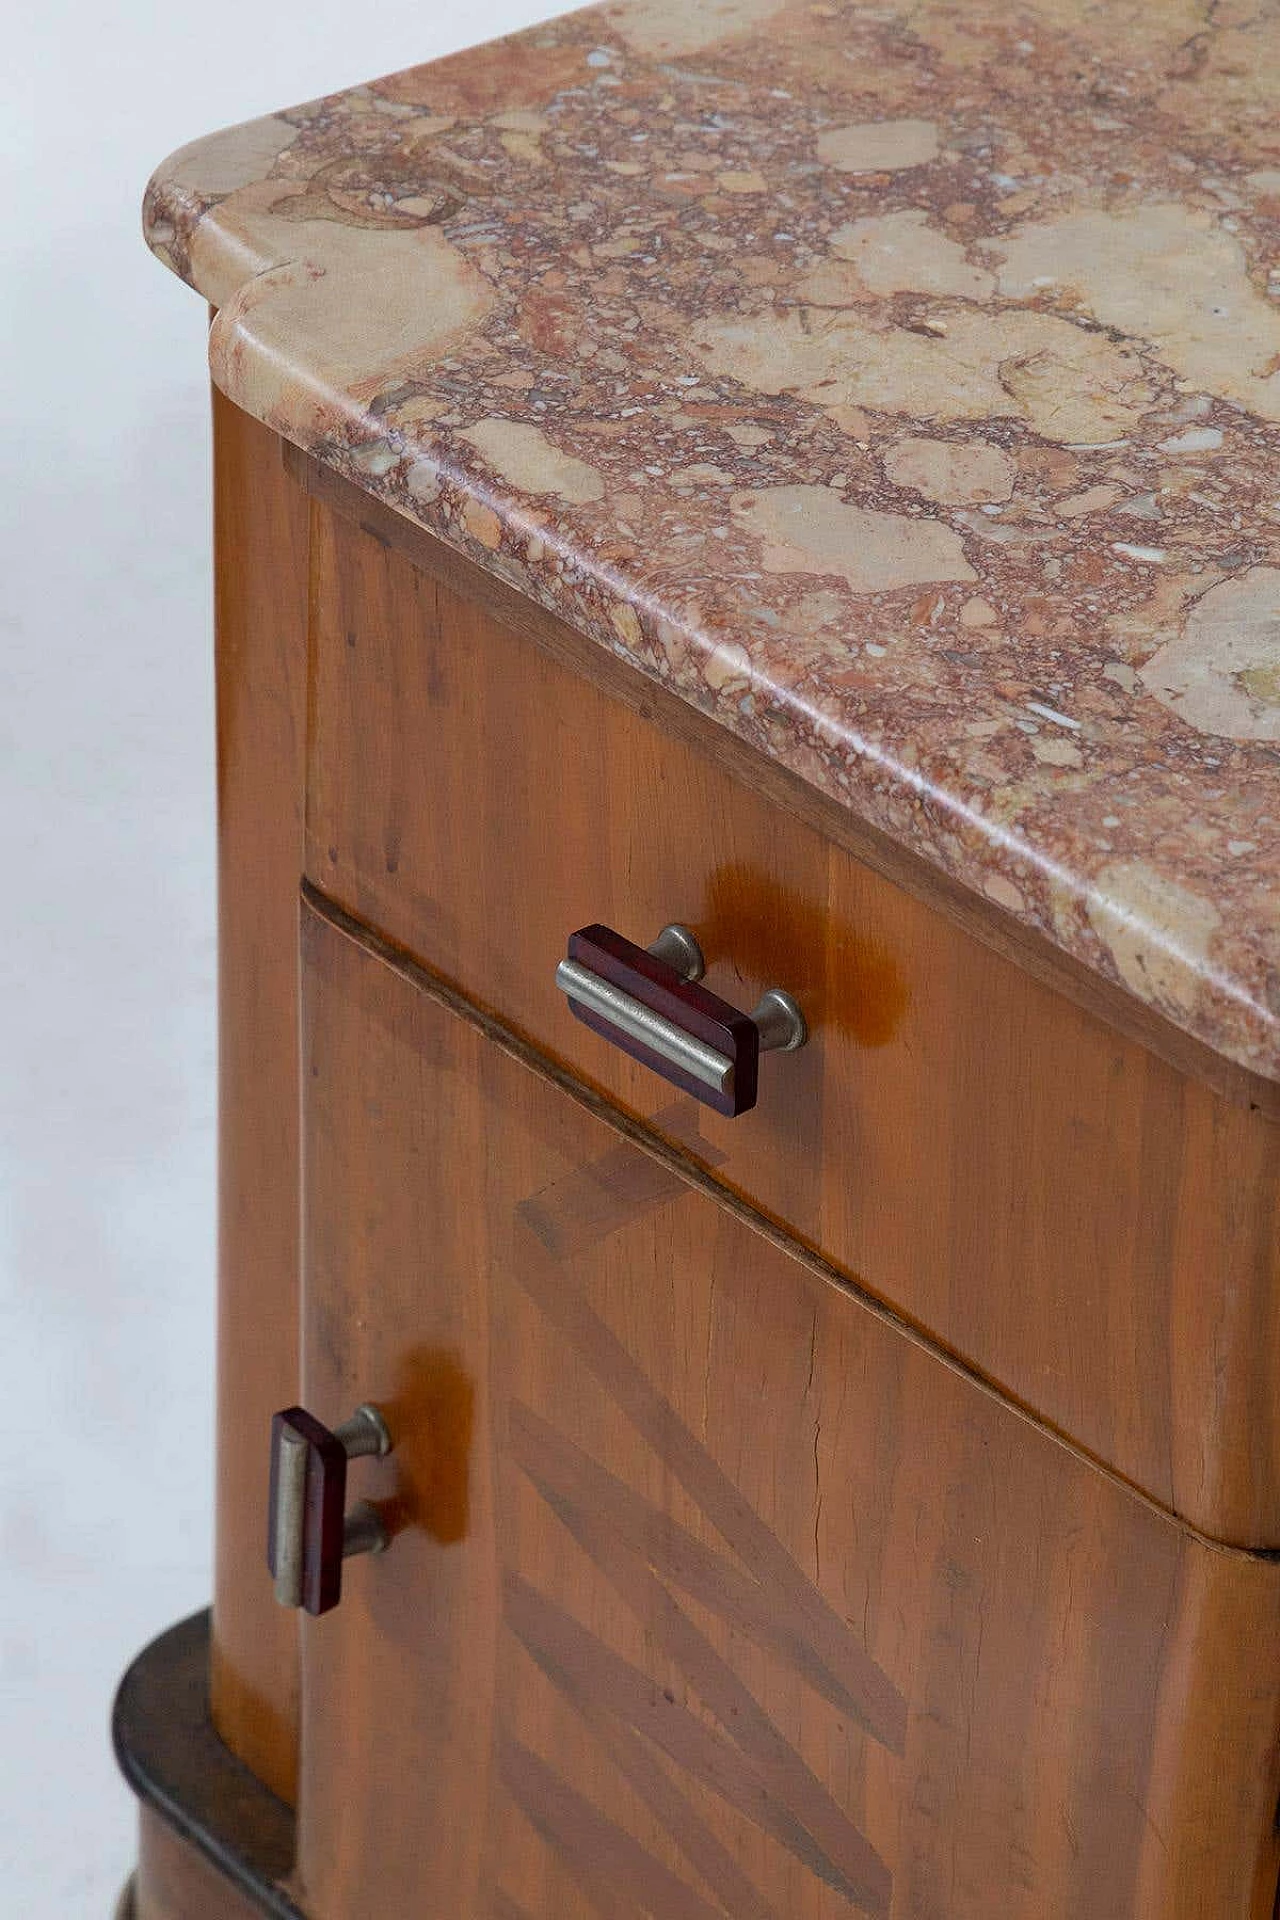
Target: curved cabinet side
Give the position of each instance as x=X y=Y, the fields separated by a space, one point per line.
x=261 y=546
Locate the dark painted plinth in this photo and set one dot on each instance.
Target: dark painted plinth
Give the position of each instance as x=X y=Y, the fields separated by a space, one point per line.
x=173 y=1759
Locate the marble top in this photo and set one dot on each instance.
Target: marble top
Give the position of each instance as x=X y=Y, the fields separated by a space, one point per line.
x=900 y=384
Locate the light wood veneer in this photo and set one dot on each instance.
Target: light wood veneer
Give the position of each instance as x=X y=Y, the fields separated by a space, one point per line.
x=1092 y=1226
x=713 y=1590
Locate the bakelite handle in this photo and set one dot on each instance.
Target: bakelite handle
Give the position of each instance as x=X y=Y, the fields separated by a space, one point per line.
x=309 y=1532
x=648 y=1001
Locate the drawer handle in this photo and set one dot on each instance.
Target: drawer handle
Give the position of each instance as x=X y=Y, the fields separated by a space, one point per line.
x=309 y=1531
x=648 y=1001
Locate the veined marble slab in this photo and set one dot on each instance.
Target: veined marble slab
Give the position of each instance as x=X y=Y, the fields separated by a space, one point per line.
x=900 y=384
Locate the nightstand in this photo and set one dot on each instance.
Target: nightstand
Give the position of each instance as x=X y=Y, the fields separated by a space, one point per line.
x=748 y=621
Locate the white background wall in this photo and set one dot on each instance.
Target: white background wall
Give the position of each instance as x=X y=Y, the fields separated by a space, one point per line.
x=106 y=864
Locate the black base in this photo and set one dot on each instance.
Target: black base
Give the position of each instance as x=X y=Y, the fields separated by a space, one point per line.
x=173 y=1759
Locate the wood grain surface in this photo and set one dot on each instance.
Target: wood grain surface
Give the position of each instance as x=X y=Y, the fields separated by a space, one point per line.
x=714 y=1591
x=261 y=547
x=1092 y=1227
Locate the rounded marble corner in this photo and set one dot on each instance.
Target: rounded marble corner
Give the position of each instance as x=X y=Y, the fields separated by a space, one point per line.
x=188 y=187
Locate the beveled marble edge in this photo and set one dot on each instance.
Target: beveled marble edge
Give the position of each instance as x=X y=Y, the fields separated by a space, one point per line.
x=392 y=345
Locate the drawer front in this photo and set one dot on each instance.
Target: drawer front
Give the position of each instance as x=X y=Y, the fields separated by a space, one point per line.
x=1088 y=1228
x=711 y=1592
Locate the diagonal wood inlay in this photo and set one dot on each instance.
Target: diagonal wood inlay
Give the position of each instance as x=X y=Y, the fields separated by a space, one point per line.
x=648 y=1558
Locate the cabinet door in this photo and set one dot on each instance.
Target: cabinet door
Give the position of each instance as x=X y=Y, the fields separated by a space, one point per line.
x=713 y=1592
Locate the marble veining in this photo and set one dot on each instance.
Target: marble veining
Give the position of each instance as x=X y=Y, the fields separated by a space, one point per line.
x=900 y=384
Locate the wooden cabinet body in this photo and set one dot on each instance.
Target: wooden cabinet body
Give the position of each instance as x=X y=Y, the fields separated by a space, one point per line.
x=713 y=1591
x=1092 y=1228
x=865 y=1506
